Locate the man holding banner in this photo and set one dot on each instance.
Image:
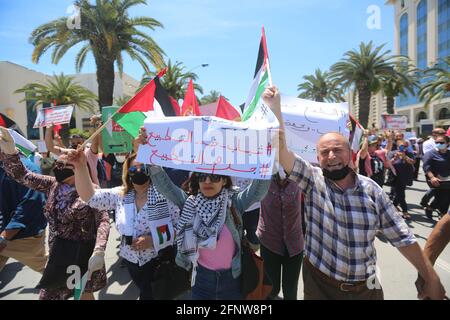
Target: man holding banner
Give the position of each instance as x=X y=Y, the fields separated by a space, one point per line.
x=343 y=212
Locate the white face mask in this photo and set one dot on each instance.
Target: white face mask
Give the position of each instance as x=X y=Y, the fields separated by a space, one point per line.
x=120 y=159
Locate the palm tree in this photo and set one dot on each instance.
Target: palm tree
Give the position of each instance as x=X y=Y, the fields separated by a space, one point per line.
x=212 y=97
x=61 y=90
x=364 y=70
x=106 y=31
x=320 y=88
x=437 y=82
x=175 y=81
x=403 y=80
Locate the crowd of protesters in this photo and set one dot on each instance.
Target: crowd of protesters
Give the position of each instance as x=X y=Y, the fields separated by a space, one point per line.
x=321 y=219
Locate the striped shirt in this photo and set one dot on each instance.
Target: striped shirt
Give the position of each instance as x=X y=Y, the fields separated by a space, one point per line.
x=342 y=224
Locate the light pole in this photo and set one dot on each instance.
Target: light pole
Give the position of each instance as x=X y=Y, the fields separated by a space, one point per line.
x=203 y=65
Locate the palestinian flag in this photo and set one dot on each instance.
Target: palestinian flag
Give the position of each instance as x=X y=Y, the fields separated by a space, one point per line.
x=190 y=104
x=25 y=146
x=151 y=100
x=163 y=234
x=260 y=80
x=356 y=134
x=8 y=123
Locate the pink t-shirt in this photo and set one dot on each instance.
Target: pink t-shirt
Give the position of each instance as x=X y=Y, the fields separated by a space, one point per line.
x=219 y=258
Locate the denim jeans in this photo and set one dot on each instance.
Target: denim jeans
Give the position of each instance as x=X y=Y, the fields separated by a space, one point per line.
x=216 y=285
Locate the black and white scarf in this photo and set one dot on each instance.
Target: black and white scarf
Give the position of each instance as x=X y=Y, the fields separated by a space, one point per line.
x=156 y=206
x=200 y=223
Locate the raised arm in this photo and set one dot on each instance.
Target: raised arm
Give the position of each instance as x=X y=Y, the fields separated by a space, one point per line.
x=15 y=168
x=166 y=187
x=272 y=98
x=49 y=141
x=83 y=181
x=255 y=192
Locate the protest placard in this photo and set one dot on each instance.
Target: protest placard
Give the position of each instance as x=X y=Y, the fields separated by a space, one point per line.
x=114 y=138
x=210 y=144
x=394 y=122
x=56 y=115
x=306 y=121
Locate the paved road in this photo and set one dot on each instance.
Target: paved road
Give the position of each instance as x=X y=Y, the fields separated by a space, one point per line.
x=397 y=275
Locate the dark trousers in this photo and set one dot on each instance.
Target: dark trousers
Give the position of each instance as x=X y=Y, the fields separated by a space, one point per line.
x=427 y=197
x=316 y=288
x=416 y=168
x=250 y=224
x=285 y=266
x=400 y=197
x=142 y=277
x=441 y=200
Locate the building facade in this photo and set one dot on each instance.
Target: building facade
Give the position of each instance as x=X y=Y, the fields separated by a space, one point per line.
x=14 y=76
x=422 y=32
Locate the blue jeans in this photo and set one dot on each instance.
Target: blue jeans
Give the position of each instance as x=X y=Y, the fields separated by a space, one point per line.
x=216 y=285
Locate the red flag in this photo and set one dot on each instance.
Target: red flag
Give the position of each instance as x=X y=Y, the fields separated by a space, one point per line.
x=143 y=100
x=190 y=103
x=226 y=111
x=175 y=105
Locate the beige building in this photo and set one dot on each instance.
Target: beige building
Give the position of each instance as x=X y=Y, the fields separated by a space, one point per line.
x=422 y=32
x=13 y=77
x=377 y=108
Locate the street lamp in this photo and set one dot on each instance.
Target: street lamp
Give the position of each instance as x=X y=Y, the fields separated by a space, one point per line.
x=203 y=65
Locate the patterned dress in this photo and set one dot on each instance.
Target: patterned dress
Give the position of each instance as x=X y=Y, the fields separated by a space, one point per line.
x=68 y=218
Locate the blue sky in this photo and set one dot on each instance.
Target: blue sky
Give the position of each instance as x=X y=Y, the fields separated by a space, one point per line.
x=302 y=35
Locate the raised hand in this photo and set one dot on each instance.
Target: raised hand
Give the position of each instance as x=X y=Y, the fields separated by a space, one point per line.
x=7 y=144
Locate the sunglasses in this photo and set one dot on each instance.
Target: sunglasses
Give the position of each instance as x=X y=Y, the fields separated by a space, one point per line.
x=63 y=165
x=212 y=177
x=133 y=169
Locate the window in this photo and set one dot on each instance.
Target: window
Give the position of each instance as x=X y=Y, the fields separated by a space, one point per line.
x=444 y=114
x=422 y=116
x=444 y=28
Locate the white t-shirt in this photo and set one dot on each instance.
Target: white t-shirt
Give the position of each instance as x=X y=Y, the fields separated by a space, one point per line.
x=429 y=145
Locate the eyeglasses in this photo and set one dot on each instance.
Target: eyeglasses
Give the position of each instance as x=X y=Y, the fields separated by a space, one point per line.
x=212 y=177
x=63 y=165
x=133 y=169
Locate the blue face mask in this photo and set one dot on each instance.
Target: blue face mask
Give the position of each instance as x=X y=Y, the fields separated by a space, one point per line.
x=441 y=146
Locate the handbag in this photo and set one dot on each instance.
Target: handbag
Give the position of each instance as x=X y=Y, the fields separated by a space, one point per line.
x=169 y=280
x=255 y=283
x=65 y=253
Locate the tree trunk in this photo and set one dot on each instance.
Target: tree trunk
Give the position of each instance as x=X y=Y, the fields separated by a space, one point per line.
x=105 y=80
x=364 y=96
x=390 y=105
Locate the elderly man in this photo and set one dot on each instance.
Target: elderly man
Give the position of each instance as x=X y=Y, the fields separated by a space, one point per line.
x=343 y=211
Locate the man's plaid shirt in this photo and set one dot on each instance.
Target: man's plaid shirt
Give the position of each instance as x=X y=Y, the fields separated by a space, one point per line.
x=341 y=225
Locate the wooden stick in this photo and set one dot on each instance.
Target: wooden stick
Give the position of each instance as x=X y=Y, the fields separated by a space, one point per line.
x=99 y=130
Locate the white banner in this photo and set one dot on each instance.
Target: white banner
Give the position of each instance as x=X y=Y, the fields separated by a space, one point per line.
x=211 y=145
x=55 y=115
x=306 y=121
x=394 y=122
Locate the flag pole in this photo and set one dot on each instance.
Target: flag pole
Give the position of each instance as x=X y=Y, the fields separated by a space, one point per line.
x=269 y=73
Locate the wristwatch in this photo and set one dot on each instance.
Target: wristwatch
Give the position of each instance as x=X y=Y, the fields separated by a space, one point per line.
x=3 y=240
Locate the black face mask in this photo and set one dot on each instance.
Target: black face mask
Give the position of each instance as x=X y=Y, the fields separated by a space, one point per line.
x=336 y=175
x=139 y=178
x=62 y=174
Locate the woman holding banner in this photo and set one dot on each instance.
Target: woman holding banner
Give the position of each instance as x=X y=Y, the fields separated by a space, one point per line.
x=141 y=213
x=207 y=235
x=72 y=224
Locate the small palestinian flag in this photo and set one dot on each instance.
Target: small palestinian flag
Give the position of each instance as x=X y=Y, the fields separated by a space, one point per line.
x=163 y=234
